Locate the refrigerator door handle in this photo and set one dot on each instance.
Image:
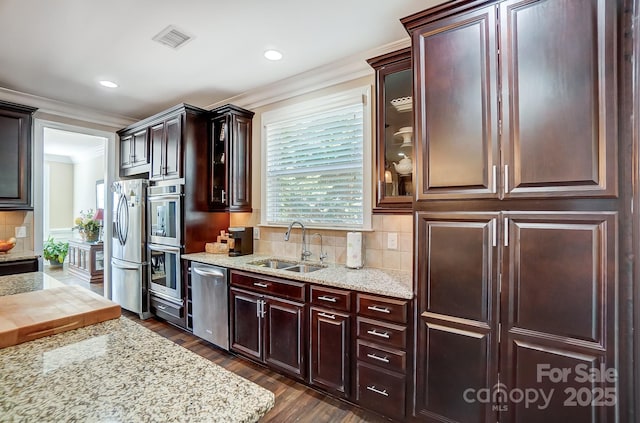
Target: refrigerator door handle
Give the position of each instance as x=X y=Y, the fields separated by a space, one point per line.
x=119 y=266
x=119 y=220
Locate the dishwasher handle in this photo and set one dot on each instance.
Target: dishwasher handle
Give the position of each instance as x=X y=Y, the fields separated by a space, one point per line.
x=212 y=273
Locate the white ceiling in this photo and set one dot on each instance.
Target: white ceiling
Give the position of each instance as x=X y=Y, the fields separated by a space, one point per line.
x=61 y=49
x=71 y=146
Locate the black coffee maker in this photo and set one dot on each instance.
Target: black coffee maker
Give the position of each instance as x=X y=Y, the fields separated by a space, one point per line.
x=240 y=241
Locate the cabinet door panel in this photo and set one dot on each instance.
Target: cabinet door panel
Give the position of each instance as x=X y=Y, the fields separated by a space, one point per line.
x=246 y=331
x=458 y=312
x=156 y=139
x=125 y=151
x=173 y=158
x=456 y=137
x=330 y=350
x=140 y=147
x=15 y=160
x=240 y=165
x=284 y=336
x=559 y=300
x=219 y=159
x=559 y=94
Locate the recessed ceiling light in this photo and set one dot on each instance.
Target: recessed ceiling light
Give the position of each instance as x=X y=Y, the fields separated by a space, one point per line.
x=273 y=55
x=108 y=84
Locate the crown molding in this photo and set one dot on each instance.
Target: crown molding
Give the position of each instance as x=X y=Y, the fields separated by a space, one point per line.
x=344 y=70
x=68 y=110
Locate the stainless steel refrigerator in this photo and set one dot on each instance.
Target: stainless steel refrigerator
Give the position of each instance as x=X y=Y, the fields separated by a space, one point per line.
x=129 y=253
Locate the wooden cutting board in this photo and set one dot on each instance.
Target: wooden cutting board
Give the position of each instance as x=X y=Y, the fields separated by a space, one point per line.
x=31 y=315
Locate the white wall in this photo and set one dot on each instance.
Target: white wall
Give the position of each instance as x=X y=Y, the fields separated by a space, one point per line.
x=85 y=175
x=61 y=192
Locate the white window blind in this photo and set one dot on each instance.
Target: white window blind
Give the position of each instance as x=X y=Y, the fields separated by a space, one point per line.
x=314 y=167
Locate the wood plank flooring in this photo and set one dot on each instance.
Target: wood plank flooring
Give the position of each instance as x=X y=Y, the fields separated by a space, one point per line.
x=295 y=402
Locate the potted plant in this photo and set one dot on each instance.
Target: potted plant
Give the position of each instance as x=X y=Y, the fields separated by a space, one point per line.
x=88 y=225
x=55 y=251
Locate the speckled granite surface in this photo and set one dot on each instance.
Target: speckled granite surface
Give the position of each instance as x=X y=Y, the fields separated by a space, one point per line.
x=26 y=282
x=376 y=281
x=119 y=371
x=17 y=255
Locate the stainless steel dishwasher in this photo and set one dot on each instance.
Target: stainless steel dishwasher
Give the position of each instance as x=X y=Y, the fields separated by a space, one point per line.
x=210 y=302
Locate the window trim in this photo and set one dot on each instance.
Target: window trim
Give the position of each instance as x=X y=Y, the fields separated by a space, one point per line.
x=316 y=105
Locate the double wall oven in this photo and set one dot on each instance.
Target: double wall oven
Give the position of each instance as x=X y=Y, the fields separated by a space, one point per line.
x=164 y=248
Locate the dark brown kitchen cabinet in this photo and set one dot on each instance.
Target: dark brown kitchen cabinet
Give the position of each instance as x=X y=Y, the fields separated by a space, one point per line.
x=536 y=120
x=394 y=131
x=268 y=329
x=230 y=173
x=382 y=341
x=330 y=340
x=554 y=308
x=559 y=306
x=15 y=160
x=457 y=328
x=166 y=149
x=134 y=152
x=18 y=266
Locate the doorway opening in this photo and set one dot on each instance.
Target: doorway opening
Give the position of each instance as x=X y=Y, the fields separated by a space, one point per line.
x=72 y=175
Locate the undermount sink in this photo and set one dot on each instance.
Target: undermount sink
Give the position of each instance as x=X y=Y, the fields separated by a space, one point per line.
x=291 y=266
x=304 y=268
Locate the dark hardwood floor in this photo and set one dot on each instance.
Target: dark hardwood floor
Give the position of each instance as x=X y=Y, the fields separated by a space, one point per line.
x=295 y=402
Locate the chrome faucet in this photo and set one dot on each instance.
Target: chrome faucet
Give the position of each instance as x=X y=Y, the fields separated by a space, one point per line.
x=305 y=253
x=322 y=255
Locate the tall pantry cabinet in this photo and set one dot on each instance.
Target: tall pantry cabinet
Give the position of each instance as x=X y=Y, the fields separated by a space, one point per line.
x=519 y=207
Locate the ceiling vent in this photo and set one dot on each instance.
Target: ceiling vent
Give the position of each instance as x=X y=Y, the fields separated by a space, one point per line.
x=172 y=37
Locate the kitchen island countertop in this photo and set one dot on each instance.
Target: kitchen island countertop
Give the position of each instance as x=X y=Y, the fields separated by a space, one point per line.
x=117 y=371
x=391 y=283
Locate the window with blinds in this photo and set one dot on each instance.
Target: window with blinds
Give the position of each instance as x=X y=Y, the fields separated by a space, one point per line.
x=314 y=164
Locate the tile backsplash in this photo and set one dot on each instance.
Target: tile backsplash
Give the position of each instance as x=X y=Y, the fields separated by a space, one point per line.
x=334 y=243
x=9 y=220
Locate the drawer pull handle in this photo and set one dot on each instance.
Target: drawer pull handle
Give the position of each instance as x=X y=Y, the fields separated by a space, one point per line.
x=377 y=391
x=329 y=299
x=377 y=357
x=380 y=334
x=379 y=309
x=162 y=307
x=261 y=285
x=328 y=316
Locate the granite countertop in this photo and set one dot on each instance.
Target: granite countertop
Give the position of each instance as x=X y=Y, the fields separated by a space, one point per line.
x=117 y=370
x=27 y=282
x=17 y=256
x=120 y=371
x=392 y=283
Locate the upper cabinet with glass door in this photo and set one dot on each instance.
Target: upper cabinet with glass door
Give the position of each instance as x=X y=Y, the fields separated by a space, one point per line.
x=394 y=132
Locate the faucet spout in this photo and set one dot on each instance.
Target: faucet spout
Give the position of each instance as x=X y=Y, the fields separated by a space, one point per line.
x=305 y=253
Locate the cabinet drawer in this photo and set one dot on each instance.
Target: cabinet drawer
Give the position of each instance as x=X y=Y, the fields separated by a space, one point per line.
x=285 y=289
x=391 y=359
x=381 y=390
x=382 y=333
x=332 y=298
x=382 y=308
x=167 y=310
